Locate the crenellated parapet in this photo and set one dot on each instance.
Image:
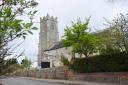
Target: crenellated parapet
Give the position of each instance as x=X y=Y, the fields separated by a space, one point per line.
x=48 y=17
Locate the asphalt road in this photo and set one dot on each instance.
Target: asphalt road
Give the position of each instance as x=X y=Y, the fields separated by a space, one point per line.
x=23 y=81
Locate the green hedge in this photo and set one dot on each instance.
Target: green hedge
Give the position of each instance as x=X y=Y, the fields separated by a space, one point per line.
x=102 y=63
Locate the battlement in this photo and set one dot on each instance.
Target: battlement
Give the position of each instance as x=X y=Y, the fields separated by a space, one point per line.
x=48 y=17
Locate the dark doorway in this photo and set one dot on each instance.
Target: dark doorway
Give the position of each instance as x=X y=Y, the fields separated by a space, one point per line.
x=45 y=64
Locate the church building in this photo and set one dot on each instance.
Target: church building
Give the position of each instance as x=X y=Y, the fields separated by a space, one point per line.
x=50 y=48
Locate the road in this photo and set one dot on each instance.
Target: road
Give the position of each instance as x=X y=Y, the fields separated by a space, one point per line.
x=35 y=81
x=23 y=81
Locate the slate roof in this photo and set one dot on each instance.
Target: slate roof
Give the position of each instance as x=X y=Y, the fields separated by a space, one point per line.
x=56 y=46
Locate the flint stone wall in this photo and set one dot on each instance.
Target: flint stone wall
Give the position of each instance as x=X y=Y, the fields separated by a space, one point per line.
x=50 y=73
x=119 y=78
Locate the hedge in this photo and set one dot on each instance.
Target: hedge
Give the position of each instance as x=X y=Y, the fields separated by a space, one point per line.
x=102 y=63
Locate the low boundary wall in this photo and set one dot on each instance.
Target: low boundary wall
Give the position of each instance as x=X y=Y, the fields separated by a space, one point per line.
x=48 y=73
x=119 y=78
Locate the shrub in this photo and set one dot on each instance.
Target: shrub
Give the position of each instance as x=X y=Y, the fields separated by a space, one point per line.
x=117 y=62
x=64 y=60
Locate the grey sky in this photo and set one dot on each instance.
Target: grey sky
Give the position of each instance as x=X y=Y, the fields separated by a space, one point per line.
x=70 y=10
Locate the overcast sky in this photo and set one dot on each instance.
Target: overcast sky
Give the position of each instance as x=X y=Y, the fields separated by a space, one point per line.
x=70 y=10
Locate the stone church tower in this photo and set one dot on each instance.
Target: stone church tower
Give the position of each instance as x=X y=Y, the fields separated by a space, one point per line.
x=48 y=35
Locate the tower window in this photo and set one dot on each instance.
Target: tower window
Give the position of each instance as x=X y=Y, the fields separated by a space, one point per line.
x=52 y=26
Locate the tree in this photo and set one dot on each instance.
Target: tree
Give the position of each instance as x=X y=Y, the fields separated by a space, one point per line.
x=11 y=61
x=119 y=27
x=12 y=25
x=106 y=42
x=26 y=63
x=78 y=37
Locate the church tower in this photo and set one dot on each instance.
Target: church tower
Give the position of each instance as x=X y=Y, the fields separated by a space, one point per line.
x=48 y=35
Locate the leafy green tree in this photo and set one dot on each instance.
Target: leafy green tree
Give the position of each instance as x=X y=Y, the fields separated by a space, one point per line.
x=78 y=37
x=12 y=23
x=26 y=63
x=11 y=26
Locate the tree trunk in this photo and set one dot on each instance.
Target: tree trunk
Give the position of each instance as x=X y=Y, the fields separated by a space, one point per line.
x=73 y=55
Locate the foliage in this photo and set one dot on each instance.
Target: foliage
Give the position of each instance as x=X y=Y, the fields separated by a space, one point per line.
x=112 y=46
x=9 y=66
x=78 y=37
x=106 y=42
x=12 y=23
x=102 y=63
x=11 y=26
x=11 y=61
x=114 y=39
x=119 y=27
x=26 y=63
x=64 y=60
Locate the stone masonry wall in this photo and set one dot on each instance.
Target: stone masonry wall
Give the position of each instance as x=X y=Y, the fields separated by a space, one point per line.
x=119 y=78
x=49 y=73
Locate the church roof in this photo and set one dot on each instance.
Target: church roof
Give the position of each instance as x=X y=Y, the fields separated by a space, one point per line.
x=56 y=46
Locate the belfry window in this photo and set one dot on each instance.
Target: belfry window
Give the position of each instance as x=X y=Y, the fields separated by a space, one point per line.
x=52 y=26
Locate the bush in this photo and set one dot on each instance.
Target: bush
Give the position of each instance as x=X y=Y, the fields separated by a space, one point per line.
x=102 y=63
x=64 y=60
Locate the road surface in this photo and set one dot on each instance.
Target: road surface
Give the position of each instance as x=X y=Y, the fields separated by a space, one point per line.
x=35 y=81
x=25 y=81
